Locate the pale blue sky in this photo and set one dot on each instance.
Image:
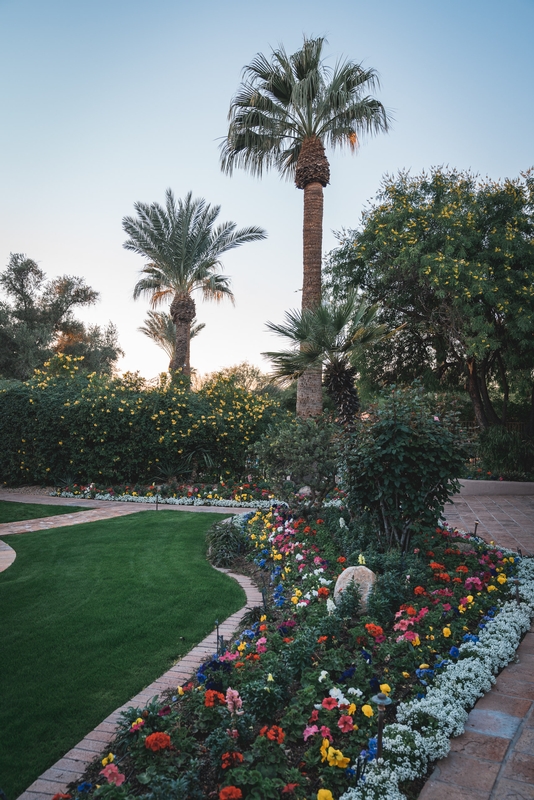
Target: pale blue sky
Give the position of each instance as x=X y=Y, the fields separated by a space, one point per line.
x=104 y=103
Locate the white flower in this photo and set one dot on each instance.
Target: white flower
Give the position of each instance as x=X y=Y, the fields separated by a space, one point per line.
x=299 y=557
x=322 y=677
x=352 y=690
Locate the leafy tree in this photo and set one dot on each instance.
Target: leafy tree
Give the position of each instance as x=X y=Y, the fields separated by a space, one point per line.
x=161 y=329
x=37 y=320
x=453 y=258
x=286 y=111
x=330 y=336
x=183 y=247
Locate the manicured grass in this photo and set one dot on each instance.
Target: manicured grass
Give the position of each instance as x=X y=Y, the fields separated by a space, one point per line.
x=90 y=615
x=14 y=512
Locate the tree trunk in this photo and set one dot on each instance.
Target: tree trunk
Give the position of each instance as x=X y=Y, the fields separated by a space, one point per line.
x=312 y=174
x=182 y=312
x=506 y=388
x=474 y=393
x=491 y=414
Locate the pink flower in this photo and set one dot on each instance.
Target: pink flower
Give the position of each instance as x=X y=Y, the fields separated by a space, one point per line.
x=314 y=715
x=112 y=774
x=345 y=724
x=325 y=733
x=410 y=636
x=234 y=702
x=228 y=656
x=260 y=645
x=232 y=732
x=446 y=606
x=310 y=730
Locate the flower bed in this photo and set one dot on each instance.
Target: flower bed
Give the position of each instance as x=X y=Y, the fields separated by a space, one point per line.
x=288 y=708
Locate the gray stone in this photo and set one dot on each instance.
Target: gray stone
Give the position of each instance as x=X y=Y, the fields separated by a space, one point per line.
x=364 y=577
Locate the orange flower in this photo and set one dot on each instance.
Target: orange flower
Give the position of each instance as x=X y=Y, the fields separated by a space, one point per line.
x=230 y=793
x=419 y=590
x=158 y=741
x=462 y=568
x=435 y=565
x=374 y=630
x=288 y=639
x=274 y=733
x=322 y=639
x=231 y=759
x=262 y=628
x=410 y=610
x=341 y=560
x=443 y=576
x=239 y=664
x=323 y=592
x=252 y=657
x=212 y=697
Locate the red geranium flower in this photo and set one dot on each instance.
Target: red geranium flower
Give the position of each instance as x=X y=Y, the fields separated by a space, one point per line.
x=158 y=741
x=462 y=568
x=212 y=697
x=231 y=758
x=323 y=592
x=274 y=733
x=374 y=630
x=322 y=639
x=419 y=590
x=341 y=560
x=230 y=793
x=289 y=787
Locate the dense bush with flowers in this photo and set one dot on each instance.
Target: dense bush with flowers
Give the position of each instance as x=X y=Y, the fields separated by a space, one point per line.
x=287 y=709
x=65 y=426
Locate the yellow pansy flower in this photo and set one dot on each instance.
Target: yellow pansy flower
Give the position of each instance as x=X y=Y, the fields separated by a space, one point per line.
x=367 y=710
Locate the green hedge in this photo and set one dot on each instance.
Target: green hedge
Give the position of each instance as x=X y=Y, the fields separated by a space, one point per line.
x=65 y=426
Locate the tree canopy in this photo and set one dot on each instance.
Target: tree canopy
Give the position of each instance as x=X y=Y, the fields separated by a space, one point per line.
x=37 y=320
x=452 y=257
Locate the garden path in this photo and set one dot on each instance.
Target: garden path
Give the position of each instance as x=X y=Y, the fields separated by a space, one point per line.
x=493 y=758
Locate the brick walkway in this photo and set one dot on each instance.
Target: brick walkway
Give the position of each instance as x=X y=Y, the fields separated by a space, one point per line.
x=494 y=758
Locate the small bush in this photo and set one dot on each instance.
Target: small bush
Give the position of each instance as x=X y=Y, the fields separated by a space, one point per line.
x=504 y=452
x=226 y=540
x=403 y=464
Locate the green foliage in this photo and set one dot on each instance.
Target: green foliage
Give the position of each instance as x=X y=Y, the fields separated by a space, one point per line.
x=226 y=541
x=91 y=428
x=453 y=258
x=300 y=453
x=403 y=464
x=505 y=452
x=37 y=320
x=393 y=587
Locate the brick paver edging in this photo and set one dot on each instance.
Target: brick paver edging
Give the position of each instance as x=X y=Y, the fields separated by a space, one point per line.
x=73 y=764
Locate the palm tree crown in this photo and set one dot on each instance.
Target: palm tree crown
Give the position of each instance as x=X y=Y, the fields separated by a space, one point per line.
x=330 y=336
x=161 y=329
x=285 y=112
x=183 y=247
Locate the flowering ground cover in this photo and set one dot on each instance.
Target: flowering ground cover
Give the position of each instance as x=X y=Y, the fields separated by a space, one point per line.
x=13 y=512
x=90 y=615
x=231 y=493
x=289 y=709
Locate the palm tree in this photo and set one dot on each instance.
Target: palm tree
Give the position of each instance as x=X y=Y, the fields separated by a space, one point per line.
x=285 y=112
x=329 y=336
x=183 y=248
x=161 y=329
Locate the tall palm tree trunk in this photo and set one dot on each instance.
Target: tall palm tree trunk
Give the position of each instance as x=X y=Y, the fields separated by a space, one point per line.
x=313 y=173
x=183 y=313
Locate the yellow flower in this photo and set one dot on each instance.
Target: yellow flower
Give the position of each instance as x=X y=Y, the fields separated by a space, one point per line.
x=384 y=687
x=446 y=632
x=337 y=759
x=469 y=598
x=270 y=677
x=294 y=599
x=405 y=674
x=241 y=647
x=502 y=578
x=108 y=759
x=263 y=618
x=368 y=711
x=492 y=588
x=324 y=749
x=423 y=666
x=416 y=642
x=351 y=710
x=325 y=794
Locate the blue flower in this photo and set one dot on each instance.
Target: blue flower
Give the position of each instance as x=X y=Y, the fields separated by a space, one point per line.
x=374 y=684
x=469 y=637
x=454 y=652
x=347 y=674
x=367 y=656
x=85 y=786
x=372 y=748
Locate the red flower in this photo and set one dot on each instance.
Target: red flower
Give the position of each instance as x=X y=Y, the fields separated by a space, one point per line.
x=212 y=697
x=60 y=796
x=288 y=639
x=157 y=741
x=457 y=580
x=274 y=733
x=341 y=560
x=443 y=576
x=322 y=639
x=239 y=664
x=263 y=628
x=461 y=568
x=329 y=703
x=323 y=592
x=410 y=610
x=289 y=787
x=230 y=793
x=231 y=759
x=252 y=657
x=435 y=565
x=374 y=630
x=419 y=590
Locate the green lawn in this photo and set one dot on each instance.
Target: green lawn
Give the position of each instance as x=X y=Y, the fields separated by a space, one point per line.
x=13 y=512
x=90 y=615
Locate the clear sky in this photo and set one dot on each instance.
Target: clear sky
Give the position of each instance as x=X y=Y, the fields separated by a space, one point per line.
x=108 y=102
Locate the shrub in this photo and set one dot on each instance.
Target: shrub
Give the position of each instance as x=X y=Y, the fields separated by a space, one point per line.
x=300 y=453
x=403 y=464
x=63 y=424
x=505 y=452
x=226 y=540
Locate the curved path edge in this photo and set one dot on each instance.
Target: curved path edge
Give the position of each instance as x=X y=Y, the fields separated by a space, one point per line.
x=73 y=764
x=7 y=556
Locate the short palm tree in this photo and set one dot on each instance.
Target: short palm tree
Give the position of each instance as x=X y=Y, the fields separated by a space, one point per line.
x=329 y=336
x=285 y=112
x=183 y=247
x=161 y=329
